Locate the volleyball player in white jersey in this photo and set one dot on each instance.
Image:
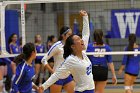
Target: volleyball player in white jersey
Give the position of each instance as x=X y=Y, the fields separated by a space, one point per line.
x=76 y=63
x=57 y=52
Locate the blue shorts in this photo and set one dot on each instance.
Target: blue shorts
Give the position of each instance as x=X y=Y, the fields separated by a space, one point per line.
x=64 y=81
x=86 y=91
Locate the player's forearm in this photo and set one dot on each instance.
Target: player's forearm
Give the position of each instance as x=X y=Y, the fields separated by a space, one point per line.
x=49 y=82
x=34 y=86
x=111 y=65
x=47 y=66
x=122 y=67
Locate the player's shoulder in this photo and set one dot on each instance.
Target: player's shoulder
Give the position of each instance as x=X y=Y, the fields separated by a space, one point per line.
x=107 y=47
x=11 y=44
x=70 y=58
x=58 y=43
x=21 y=66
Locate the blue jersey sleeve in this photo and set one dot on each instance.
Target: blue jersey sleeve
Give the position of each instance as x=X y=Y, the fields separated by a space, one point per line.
x=108 y=57
x=125 y=58
x=20 y=72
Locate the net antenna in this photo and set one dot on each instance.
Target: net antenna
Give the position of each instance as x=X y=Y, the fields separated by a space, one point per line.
x=23 y=24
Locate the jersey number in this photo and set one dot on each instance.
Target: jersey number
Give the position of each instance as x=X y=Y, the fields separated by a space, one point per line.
x=89 y=69
x=99 y=51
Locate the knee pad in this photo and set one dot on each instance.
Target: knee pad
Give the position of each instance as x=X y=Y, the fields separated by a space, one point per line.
x=1 y=82
x=127 y=87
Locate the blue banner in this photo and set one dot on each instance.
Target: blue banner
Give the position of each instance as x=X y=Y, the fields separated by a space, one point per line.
x=124 y=22
x=75 y=27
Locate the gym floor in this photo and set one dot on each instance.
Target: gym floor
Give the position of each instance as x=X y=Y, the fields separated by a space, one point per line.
x=120 y=88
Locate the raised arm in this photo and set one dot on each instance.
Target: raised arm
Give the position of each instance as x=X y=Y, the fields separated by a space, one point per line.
x=124 y=62
x=85 y=31
x=125 y=59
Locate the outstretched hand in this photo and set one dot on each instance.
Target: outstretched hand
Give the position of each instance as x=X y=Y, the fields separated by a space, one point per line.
x=83 y=13
x=41 y=89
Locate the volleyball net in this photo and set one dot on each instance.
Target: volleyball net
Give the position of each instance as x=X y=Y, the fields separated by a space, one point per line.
x=46 y=17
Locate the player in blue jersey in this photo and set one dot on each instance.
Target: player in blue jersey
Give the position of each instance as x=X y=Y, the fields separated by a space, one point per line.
x=13 y=44
x=100 y=62
x=131 y=64
x=14 y=49
x=39 y=68
x=3 y=72
x=25 y=70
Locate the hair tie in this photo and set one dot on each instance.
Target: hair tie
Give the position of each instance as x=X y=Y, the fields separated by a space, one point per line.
x=66 y=31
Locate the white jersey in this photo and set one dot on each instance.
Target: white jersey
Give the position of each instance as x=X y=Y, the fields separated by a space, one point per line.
x=56 y=51
x=81 y=69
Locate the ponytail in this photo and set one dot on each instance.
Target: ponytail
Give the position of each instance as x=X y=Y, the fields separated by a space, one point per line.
x=28 y=48
x=98 y=36
x=19 y=58
x=67 y=47
x=132 y=40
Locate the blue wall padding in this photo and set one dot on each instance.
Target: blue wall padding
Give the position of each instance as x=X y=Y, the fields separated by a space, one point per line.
x=11 y=26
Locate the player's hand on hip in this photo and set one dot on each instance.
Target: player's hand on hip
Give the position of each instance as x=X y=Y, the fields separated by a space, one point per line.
x=83 y=13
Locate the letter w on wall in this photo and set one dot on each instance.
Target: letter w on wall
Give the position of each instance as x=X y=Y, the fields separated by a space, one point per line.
x=125 y=22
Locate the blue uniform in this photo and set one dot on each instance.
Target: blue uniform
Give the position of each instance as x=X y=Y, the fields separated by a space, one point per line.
x=132 y=65
x=101 y=60
x=40 y=49
x=15 y=48
x=23 y=80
